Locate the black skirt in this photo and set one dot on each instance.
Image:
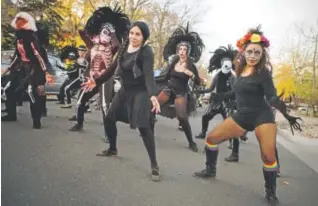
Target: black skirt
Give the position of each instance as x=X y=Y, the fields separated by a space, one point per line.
x=132 y=107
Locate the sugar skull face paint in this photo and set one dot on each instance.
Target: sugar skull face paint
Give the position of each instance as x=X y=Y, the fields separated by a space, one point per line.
x=253 y=54
x=106 y=34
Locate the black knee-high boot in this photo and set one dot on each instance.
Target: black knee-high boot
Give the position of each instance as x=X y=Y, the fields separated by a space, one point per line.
x=11 y=107
x=42 y=103
x=211 y=160
x=187 y=131
x=36 y=109
x=205 y=124
x=270 y=186
x=234 y=157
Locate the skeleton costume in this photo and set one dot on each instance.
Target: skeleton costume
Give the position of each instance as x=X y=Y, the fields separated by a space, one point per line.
x=102 y=35
x=69 y=55
x=27 y=70
x=175 y=97
x=223 y=77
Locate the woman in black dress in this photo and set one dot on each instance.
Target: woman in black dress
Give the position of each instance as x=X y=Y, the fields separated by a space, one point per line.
x=254 y=81
x=184 y=48
x=136 y=100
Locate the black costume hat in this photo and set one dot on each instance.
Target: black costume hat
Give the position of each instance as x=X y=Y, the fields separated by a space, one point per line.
x=68 y=51
x=82 y=48
x=105 y=15
x=182 y=36
x=219 y=54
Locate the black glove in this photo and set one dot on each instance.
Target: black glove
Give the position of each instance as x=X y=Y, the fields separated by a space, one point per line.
x=293 y=123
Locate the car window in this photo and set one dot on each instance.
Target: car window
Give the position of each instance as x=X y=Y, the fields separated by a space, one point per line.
x=6 y=57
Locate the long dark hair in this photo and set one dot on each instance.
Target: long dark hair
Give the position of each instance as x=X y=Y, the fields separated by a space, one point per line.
x=240 y=63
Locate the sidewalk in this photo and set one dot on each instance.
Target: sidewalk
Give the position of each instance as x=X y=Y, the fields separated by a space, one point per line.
x=306 y=149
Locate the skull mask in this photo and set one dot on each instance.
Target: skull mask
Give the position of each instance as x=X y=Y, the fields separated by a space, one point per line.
x=226 y=65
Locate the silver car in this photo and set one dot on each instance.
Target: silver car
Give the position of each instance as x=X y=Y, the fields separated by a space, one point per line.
x=55 y=68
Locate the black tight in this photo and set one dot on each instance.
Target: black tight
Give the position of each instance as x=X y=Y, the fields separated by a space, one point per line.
x=181 y=112
x=146 y=134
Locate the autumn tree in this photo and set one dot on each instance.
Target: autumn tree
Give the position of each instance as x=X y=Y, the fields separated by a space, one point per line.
x=300 y=52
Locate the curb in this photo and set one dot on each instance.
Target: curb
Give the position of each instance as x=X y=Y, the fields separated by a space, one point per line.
x=303 y=149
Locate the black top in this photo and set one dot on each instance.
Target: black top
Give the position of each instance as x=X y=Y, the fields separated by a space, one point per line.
x=178 y=81
x=250 y=91
x=129 y=80
x=136 y=74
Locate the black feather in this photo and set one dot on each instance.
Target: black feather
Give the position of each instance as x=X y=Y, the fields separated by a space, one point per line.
x=103 y=15
x=219 y=54
x=67 y=50
x=183 y=34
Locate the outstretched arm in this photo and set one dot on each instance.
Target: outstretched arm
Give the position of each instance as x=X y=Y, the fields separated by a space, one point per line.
x=274 y=100
x=212 y=85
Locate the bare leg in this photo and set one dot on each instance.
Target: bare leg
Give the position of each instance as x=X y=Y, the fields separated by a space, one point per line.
x=266 y=136
x=222 y=132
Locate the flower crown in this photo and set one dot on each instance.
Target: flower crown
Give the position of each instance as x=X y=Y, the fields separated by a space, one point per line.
x=253 y=38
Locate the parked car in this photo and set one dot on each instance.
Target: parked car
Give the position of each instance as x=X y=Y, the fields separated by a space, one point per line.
x=54 y=68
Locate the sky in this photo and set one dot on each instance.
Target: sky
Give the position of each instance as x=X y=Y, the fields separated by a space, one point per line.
x=223 y=22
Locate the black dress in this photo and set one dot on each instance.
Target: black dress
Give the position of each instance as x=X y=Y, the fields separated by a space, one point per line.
x=132 y=102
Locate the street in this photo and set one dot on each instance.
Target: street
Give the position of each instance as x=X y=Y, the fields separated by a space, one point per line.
x=53 y=166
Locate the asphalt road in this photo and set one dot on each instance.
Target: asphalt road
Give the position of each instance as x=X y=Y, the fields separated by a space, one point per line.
x=55 y=167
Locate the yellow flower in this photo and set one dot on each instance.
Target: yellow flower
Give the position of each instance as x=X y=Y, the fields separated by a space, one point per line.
x=255 y=38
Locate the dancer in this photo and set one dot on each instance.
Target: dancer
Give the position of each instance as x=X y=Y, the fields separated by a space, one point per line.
x=27 y=70
x=136 y=99
x=221 y=67
x=253 y=112
x=103 y=33
x=188 y=46
x=69 y=56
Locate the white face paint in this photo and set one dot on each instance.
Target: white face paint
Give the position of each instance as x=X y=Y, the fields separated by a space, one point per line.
x=106 y=33
x=226 y=66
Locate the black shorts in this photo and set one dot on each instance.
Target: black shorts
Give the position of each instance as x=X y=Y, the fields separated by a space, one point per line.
x=249 y=121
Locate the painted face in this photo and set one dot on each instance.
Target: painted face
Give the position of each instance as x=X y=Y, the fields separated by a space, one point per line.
x=21 y=22
x=253 y=54
x=105 y=35
x=226 y=66
x=81 y=53
x=182 y=51
x=135 y=37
